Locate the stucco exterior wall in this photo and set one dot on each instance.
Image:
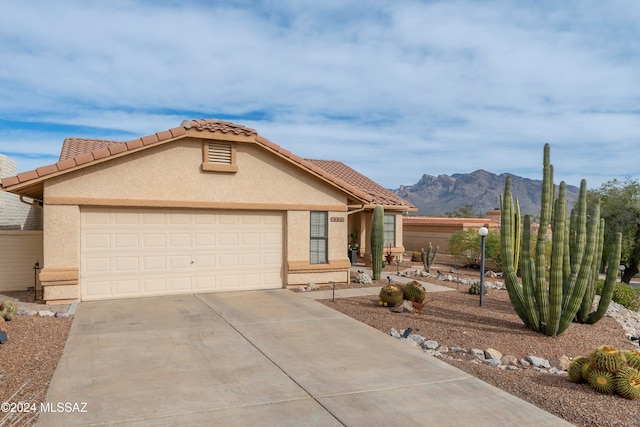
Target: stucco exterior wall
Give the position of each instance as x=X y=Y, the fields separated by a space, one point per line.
x=171 y=175
x=20 y=251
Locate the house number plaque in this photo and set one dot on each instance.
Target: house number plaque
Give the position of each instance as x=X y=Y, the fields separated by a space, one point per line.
x=337 y=219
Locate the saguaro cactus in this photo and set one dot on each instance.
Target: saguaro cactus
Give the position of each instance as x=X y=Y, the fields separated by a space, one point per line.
x=377 y=241
x=550 y=305
x=429 y=256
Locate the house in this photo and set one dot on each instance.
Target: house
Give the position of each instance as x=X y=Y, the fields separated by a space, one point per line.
x=418 y=231
x=20 y=235
x=206 y=206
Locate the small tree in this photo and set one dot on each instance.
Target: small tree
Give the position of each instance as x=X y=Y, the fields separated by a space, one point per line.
x=465 y=246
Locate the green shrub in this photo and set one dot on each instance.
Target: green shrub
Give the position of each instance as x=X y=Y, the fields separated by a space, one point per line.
x=623 y=294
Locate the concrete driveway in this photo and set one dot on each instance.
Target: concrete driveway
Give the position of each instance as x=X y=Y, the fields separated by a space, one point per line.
x=262 y=358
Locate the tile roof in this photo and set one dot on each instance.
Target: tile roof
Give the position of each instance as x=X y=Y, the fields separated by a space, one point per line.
x=81 y=152
x=72 y=147
x=479 y=222
x=380 y=195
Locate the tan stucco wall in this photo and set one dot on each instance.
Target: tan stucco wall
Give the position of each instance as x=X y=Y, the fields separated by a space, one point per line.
x=298 y=237
x=171 y=175
x=20 y=251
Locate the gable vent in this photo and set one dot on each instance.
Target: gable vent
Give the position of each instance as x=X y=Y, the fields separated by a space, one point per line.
x=219 y=153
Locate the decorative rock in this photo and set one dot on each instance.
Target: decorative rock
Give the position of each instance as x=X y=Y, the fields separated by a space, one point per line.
x=538 y=362
x=62 y=315
x=394 y=333
x=512 y=368
x=430 y=344
x=562 y=363
x=23 y=311
x=479 y=354
x=558 y=371
x=509 y=360
x=492 y=353
x=492 y=362
x=458 y=350
x=443 y=349
x=364 y=278
x=46 y=313
x=312 y=287
x=419 y=339
x=403 y=307
x=525 y=363
x=302 y=289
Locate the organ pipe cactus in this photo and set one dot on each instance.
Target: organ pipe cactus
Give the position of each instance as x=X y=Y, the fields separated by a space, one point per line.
x=549 y=305
x=429 y=256
x=377 y=241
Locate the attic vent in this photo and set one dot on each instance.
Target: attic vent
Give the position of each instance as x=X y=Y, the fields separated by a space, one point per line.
x=219 y=157
x=220 y=153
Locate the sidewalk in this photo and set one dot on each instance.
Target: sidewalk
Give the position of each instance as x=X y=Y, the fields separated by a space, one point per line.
x=361 y=292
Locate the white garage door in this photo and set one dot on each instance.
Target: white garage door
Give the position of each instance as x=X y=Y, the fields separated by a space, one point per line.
x=143 y=252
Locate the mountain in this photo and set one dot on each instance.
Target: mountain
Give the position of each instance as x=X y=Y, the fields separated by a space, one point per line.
x=434 y=196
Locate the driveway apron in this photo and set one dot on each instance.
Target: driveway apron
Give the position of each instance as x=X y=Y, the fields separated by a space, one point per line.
x=258 y=358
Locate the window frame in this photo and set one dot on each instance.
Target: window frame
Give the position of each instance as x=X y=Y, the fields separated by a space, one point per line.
x=389 y=241
x=319 y=254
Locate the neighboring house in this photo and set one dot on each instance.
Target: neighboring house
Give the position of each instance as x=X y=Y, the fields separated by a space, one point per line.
x=20 y=235
x=14 y=213
x=203 y=207
x=418 y=231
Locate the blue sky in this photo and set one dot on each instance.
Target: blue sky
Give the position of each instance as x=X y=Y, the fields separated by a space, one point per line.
x=394 y=89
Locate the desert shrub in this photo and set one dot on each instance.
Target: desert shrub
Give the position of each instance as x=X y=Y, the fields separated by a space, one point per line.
x=623 y=294
x=465 y=247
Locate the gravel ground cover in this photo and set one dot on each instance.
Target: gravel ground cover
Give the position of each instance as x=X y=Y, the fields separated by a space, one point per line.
x=455 y=319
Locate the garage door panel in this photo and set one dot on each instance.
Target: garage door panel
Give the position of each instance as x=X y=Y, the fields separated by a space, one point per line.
x=154 y=285
x=136 y=252
x=129 y=263
x=126 y=218
x=124 y=287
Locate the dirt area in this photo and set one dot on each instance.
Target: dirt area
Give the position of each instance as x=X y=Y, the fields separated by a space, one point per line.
x=30 y=356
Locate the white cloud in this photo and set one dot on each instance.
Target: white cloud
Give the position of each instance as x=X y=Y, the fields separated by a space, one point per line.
x=393 y=88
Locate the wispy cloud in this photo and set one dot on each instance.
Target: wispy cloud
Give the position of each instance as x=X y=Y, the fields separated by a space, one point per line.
x=395 y=89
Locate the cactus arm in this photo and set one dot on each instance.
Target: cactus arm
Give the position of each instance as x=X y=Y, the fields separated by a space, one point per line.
x=574 y=300
x=590 y=291
x=517 y=237
x=556 y=274
x=514 y=289
x=542 y=293
x=527 y=272
x=377 y=241
x=610 y=282
x=579 y=240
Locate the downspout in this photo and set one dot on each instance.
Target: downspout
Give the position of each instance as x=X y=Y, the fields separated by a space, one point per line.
x=36 y=202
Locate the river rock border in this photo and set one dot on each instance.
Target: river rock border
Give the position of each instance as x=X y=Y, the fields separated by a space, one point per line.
x=489 y=356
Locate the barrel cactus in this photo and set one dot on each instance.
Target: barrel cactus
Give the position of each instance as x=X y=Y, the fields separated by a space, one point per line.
x=377 y=241
x=7 y=310
x=390 y=295
x=550 y=305
x=627 y=383
x=474 y=289
x=632 y=357
x=607 y=358
x=575 y=369
x=414 y=291
x=601 y=381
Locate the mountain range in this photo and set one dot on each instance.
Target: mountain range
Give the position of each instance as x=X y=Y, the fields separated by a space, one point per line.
x=438 y=195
